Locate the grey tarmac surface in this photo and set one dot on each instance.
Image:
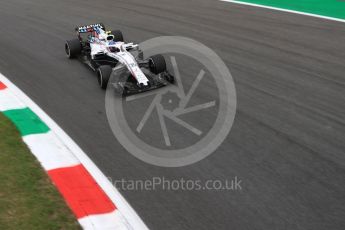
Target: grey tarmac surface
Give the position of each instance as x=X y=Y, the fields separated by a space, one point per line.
x=287 y=142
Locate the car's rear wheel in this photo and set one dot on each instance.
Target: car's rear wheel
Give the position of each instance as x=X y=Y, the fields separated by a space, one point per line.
x=103 y=26
x=103 y=75
x=157 y=64
x=72 y=48
x=118 y=36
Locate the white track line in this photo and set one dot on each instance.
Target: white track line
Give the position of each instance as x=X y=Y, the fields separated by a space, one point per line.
x=285 y=10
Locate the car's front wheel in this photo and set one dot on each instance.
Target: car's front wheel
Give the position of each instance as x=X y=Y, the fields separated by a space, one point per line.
x=103 y=75
x=157 y=64
x=72 y=48
x=170 y=78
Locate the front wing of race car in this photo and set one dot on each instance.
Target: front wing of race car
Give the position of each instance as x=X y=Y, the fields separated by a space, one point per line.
x=124 y=84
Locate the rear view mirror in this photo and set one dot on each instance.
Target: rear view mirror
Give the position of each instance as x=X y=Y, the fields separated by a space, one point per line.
x=110 y=37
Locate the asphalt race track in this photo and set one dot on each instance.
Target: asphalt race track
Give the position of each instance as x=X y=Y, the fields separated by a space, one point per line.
x=287 y=142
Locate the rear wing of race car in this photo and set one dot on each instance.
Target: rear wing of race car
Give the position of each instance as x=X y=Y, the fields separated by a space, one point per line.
x=89 y=28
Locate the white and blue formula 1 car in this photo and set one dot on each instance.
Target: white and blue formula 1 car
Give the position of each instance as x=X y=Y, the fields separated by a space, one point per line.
x=106 y=53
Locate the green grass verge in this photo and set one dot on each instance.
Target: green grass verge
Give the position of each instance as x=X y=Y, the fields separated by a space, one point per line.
x=330 y=8
x=28 y=199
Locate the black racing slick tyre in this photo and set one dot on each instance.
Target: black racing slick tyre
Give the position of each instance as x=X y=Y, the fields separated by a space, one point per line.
x=157 y=64
x=103 y=26
x=103 y=75
x=73 y=48
x=118 y=36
